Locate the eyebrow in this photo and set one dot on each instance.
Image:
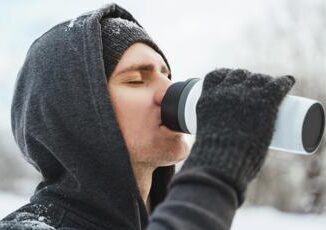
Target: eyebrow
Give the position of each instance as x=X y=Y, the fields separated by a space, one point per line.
x=144 y=67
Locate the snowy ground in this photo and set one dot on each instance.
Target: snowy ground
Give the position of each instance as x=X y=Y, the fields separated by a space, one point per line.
x=271 y=219
x=245 y=219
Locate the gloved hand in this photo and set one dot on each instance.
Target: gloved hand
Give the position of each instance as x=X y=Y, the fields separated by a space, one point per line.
x=236 y=113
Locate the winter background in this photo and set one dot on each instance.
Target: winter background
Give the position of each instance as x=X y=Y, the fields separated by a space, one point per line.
x=269 y=36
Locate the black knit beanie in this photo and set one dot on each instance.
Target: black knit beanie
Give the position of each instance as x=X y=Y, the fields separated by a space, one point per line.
x=118 y=35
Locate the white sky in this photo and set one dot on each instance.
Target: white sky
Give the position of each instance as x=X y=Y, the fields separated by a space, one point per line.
x=190 y=33
x=196 y=36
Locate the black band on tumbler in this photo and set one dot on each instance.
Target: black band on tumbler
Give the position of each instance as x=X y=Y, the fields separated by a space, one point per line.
x=169 y=106
x=182 y=103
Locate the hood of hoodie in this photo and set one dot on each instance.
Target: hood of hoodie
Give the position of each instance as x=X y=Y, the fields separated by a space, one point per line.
x=65 y=125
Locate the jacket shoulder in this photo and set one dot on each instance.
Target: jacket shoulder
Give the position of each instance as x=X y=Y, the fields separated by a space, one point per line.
x=31 y=217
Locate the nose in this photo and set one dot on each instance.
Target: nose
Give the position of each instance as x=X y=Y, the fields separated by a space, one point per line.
x=162 y=86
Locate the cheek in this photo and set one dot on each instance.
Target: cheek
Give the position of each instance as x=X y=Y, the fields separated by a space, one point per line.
x=132 y=110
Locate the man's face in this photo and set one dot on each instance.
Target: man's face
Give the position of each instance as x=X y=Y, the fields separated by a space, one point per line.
x=136 y=95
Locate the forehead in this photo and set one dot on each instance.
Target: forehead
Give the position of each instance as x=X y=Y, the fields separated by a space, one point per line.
x=137 y=54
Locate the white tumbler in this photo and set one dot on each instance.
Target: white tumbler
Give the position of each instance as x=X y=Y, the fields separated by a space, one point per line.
x=299 y=125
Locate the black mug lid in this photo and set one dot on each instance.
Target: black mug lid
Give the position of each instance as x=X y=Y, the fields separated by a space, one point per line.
x=313 y=127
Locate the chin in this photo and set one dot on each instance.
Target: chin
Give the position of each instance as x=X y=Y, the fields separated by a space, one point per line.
x=176 y=155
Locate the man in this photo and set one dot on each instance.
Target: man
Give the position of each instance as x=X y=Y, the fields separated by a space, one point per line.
x=86 y=114
x=137 y=87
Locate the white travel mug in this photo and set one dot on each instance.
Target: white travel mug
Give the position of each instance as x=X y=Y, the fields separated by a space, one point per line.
x=299 y=125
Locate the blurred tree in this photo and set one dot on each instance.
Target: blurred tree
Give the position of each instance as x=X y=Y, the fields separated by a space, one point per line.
x=16 y=175
x=293 y=41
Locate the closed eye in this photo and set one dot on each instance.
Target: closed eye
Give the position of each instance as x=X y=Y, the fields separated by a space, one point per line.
x=135 y=82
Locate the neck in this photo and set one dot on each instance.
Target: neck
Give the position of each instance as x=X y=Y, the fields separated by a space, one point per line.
x=143 y=174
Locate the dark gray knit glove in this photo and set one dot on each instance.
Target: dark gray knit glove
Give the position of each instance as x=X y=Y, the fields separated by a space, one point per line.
x=236 y=113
